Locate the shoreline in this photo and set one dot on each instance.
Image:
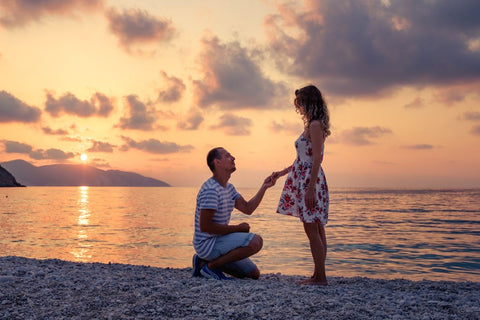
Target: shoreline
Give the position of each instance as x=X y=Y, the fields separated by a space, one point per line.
x=32 y=289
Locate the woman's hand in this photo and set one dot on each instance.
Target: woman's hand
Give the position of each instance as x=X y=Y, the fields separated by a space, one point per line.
x=277 y=174
x=310 y=198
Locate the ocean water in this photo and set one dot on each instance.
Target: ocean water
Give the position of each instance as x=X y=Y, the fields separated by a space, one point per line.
x=412 y=234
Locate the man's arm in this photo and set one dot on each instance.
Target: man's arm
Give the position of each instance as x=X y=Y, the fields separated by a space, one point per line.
x=207 y=225
x=249 y=207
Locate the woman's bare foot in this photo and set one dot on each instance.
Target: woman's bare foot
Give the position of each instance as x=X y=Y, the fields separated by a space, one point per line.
x=314 y=282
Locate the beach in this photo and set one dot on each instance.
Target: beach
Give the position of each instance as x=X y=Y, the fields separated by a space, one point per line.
x=57 y=289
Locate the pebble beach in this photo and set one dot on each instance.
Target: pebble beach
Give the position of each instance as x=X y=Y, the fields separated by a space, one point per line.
x=57 y=289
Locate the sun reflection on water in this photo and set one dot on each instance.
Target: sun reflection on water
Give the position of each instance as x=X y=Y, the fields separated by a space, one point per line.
x=81 y=251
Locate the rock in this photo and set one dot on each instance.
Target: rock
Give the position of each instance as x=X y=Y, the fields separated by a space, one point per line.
x=94 y=290
x=7 y=179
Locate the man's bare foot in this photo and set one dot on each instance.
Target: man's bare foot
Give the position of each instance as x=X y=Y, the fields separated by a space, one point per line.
x=313 y=282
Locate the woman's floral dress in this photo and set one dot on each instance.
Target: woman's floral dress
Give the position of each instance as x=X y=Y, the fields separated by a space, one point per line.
x=292 y=200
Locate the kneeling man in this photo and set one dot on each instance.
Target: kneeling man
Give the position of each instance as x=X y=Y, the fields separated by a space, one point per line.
x=220 y=246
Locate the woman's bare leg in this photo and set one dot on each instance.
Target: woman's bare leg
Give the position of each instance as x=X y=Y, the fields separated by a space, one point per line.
x=314 y=233
x=323 y=236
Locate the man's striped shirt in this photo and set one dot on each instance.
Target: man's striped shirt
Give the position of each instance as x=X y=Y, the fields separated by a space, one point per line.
x=213 y=196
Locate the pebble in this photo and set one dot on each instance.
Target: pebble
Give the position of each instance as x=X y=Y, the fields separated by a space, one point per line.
x=56 y=289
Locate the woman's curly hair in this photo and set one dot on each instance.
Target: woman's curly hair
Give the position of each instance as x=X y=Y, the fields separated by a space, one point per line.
x=311 y=99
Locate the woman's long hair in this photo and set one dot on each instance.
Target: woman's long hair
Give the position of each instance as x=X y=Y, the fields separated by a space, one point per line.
x=311 y=99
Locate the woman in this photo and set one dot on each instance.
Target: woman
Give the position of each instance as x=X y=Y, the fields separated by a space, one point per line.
x=305 y=194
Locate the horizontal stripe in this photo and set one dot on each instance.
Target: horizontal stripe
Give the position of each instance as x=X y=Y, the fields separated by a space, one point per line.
x=213 y=196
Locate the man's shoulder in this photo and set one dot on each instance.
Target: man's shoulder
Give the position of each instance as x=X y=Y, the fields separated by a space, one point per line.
x=210 y=184
x=230 y=186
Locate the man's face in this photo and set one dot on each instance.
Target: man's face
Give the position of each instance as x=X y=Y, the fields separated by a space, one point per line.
x=226 y=161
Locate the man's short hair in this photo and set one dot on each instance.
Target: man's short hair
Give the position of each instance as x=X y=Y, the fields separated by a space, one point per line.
x=212 y=155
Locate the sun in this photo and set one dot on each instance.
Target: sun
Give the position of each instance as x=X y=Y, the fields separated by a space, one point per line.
x=83 y=157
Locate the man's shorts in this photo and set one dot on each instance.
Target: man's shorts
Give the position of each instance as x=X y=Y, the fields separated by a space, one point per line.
x=225 y=244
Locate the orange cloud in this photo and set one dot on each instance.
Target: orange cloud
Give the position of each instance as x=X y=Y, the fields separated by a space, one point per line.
x=134 y=26
x=232 y=78
x=99 y=105
x=191 y=121
x=18 y=13
x=362 y=136
x=155 y=146
x=139 y=115
x=364 y=48
x=234 y=125
x=15 y=110
x=39 y=154
x=174 y=89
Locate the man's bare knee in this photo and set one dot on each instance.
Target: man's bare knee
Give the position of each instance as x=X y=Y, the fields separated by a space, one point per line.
x=256 y=243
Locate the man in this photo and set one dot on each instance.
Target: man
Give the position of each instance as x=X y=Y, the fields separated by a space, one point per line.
x=219 y=245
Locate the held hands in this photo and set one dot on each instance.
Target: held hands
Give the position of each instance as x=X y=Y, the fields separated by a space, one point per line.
x=277 y=174
x=272 y=179
x=269 y=181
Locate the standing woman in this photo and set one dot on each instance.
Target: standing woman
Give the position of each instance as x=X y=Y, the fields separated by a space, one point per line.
x=305 y=194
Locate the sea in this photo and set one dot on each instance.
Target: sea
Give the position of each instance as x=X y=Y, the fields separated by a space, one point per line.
x=375 y=233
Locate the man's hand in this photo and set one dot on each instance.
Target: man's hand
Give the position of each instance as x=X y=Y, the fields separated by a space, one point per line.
x=243 y=227
x=270 y=181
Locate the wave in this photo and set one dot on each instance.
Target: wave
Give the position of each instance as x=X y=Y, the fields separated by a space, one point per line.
x=421 y=210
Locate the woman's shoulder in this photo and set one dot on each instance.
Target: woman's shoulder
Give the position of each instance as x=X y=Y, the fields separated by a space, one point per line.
x=316 y=125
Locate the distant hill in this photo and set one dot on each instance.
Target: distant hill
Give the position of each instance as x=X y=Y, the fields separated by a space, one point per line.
x=76 y=175
x=7 y=179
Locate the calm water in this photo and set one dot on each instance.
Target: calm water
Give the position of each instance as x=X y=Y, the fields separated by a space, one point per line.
x=416 y=234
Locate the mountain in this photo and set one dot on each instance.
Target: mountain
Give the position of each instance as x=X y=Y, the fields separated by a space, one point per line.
x=76 y=175
x=7 y=179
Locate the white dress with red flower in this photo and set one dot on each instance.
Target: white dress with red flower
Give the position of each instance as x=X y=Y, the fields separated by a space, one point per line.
x=292 y=200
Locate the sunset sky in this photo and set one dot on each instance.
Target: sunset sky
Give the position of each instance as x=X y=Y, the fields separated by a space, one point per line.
x=150 y=86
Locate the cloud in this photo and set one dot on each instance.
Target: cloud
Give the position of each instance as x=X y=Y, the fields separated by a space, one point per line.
x=52 y=153
x=419 y=147
x=16 y=147
x=191 y=121
x=471 y=116
x=99 y=146
x=140 y=117
x=475 y=117
x=15 y=110
x=100 y=163
x=367 y=47
x=39 y=154
x=290 y=127
x=232 y=78
x=154 y=146
x=173 y=91
x=72 y=139
x=18 y=13
x=476 y=130
x=234 y=125
x=134 y=26
x=450 y=97
x=415 y=104
x=99 y=105
x=362 y=136
x=50 y=131
x=105 y=105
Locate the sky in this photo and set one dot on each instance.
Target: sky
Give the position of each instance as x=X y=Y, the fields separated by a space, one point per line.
x=150 y=86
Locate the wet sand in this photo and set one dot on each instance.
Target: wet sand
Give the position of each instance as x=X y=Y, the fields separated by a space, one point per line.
x=56 y=289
